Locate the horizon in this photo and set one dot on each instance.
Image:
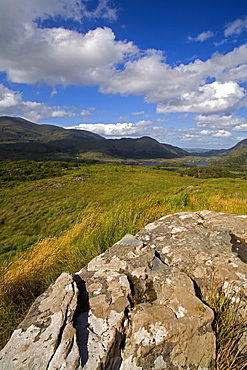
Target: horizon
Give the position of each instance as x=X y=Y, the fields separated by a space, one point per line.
x=194 y=149
x=176 y=72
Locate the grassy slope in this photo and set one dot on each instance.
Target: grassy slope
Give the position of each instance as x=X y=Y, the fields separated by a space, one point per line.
x=235 y=160
x=46 y=230
x=21 y=139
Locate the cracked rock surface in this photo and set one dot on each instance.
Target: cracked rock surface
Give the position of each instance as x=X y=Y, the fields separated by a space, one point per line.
x=138 y=305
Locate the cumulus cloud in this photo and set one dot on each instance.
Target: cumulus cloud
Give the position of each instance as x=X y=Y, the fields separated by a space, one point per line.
x=60 y=113
x=30 y=53
x=204 y=138
x=127 y=129
x=230 y=122
x=12 y=103
x=218 y=133
x=236 y=27
x=190 y=136
x=61 y=56
x=210 y=98
x=85 y=113
x=9 y=100
x=202 y=36
x=184 y=88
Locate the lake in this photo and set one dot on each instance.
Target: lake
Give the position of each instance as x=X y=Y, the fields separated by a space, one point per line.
x=198 y=164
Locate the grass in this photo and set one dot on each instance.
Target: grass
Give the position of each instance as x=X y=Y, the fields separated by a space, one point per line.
x=46 y=230
x=230 y=329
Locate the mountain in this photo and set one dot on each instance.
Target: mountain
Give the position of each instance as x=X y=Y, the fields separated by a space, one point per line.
x=21 y=139
x=142 y=148
x=211 y=153
x=14 y=130
x=222 y=152
x=234 y=158
x=240 y=145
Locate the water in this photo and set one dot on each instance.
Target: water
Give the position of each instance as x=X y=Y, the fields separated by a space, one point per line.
x=144 y=164
x=150 y=164
x=198 y=164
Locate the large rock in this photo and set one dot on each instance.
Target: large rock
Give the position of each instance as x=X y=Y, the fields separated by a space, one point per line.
x=209 y=247
x=138 y=305
x=46 y=337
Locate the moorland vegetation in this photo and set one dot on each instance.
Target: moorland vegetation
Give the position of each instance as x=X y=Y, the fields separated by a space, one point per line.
x=58 y=213
x=58 y=216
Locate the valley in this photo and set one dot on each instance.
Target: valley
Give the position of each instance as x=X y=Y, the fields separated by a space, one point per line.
x=60 y=210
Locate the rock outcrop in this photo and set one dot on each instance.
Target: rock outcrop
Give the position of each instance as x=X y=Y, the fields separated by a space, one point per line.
x=139 y=305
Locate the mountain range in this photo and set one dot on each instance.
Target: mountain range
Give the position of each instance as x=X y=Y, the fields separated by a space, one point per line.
x=21 y=139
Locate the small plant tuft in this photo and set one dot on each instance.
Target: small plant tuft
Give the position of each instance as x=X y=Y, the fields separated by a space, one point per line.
x=230 y=328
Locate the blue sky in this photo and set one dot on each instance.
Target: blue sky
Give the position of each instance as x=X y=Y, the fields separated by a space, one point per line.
x=173 y=70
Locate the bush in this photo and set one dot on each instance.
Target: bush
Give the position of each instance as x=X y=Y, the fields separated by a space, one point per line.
x=207 y=172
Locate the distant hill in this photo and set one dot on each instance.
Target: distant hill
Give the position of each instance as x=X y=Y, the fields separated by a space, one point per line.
x=21 y=139
x=19 y=130
x=222 y=152
x=240 y=145
x=234 y=158
x=211 y=153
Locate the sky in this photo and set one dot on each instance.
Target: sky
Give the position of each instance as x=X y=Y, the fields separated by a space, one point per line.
x=172 y=70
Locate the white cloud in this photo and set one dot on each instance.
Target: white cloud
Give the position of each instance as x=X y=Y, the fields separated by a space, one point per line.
x=202 y=36
x=183 y=88
x=184 y=116
x=229 y=122
x=162 y=120
x=85 y=113
x=204 y=138
x=137 y=113
x=126 y=129
x=12 y=103
x=53 y=92
x=140 y=75
x=31 y=54
x=123 y=118
x=8 y=100
x=25 y=12
x=218 y=133
x=60 y=56
x=102 y=10
x=236 y=27
x=61 y=113
x=190 y=137
x=210 y=98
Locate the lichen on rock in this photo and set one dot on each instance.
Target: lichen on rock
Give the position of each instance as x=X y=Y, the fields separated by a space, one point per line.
x=139 y=305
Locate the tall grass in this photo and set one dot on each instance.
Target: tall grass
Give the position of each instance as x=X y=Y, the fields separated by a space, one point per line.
x=78 y=221
x=230 y=329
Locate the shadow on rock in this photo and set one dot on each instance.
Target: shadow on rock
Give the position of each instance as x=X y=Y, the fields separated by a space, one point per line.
x=81 y=319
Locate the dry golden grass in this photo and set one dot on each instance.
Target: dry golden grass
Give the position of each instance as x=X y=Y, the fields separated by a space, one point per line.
x=116 y=200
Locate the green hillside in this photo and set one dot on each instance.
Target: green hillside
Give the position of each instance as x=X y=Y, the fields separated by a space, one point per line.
x=55 y=218
x=235 y=160
x=21 y=139
x=19 y=130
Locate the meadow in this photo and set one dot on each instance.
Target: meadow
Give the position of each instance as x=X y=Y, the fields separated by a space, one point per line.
x=60 y=219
